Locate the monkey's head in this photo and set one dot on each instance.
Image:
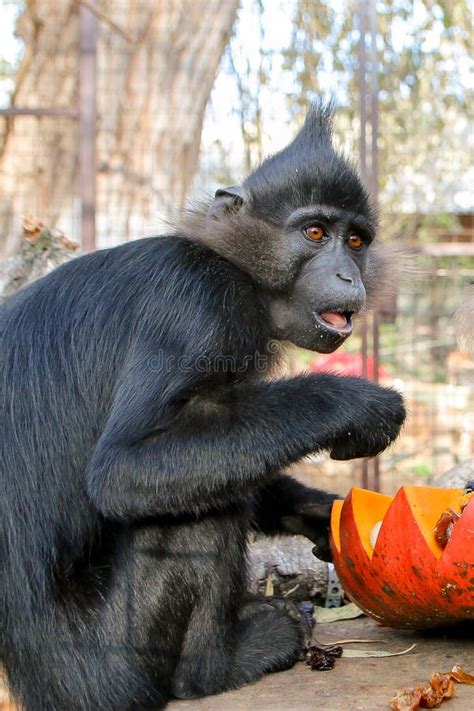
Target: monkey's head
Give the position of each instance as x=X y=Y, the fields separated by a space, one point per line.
x=301 y=225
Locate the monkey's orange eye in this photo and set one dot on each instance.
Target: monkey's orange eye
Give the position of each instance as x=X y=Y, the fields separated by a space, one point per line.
x=355 y=241
x=315 y=232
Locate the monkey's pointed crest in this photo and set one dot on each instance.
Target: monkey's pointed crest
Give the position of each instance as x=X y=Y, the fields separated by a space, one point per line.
x=307 y=171
x=314 y=136
x=318 y=123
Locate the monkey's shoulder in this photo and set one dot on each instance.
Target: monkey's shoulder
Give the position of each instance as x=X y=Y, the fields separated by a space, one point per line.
x=180 y=269
x=169 y=285
x=168 y=263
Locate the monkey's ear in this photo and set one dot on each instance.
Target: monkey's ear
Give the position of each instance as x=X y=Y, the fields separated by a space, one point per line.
x=226 y=200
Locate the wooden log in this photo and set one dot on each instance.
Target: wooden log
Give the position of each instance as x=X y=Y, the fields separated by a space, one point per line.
x=457 y=477
x=285 y=566
x=6 y=702
x=42 y=250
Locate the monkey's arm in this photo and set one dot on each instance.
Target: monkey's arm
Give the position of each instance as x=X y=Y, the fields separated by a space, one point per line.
x=285 y=505
x=168 y=448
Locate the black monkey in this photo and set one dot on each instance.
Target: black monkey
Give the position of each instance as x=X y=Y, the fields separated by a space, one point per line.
x=142 y=436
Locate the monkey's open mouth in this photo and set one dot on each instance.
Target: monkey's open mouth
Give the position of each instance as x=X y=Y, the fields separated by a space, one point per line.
x=337 y=322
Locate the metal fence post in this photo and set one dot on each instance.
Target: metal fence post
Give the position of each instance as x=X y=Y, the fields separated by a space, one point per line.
x=87 y=125
x=369 y=173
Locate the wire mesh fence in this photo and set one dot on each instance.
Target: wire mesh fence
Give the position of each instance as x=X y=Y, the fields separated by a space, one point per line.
x=77 y=156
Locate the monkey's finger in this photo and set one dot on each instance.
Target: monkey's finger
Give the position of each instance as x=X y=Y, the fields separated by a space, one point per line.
x=322 y=551
x=343 y=453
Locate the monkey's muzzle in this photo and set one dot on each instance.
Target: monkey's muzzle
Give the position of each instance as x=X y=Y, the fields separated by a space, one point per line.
x=332 y=329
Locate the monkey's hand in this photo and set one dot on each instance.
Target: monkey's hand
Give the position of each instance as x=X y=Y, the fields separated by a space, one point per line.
x=312 y=520
x=375 y=416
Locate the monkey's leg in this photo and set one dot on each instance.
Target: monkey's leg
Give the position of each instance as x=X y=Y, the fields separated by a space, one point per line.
x=113 y=640
x=88 y=668
x=267 y=640
x=227 y=643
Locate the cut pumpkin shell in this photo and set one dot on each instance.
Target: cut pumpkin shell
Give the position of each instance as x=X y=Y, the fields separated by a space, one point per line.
x=391 y=566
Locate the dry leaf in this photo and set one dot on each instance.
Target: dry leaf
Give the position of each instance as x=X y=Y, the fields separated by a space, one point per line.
x=458 y=674
x=429 y=697
x=334 y=614
x=68 y=243
x=365 y=653
x=32 y=228
x=441 y=687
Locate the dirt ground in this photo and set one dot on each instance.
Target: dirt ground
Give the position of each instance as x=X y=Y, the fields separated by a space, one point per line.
x=355 y=684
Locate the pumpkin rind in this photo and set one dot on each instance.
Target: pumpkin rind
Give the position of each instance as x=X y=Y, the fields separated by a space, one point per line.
x=407 y=581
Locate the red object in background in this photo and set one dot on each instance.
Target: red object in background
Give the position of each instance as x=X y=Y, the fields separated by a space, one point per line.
x=406 y=579
x=347 y=364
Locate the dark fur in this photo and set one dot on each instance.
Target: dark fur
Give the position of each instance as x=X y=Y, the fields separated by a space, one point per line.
x=129 y=479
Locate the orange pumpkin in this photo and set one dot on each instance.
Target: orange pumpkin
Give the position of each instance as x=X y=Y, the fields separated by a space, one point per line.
x=405 y=578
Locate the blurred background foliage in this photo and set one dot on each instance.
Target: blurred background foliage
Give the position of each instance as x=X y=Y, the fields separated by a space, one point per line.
x=425 y=138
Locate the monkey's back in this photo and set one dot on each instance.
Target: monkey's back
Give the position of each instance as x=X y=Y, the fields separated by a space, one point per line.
x=64 y=341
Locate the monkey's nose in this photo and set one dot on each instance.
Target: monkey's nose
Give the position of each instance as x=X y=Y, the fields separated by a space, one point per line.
x=345 y=278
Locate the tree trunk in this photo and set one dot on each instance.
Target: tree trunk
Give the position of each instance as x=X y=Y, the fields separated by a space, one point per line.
x=156 y=67
x=38 y=156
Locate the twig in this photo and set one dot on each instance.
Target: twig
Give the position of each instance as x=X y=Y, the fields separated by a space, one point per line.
x=339 y=642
